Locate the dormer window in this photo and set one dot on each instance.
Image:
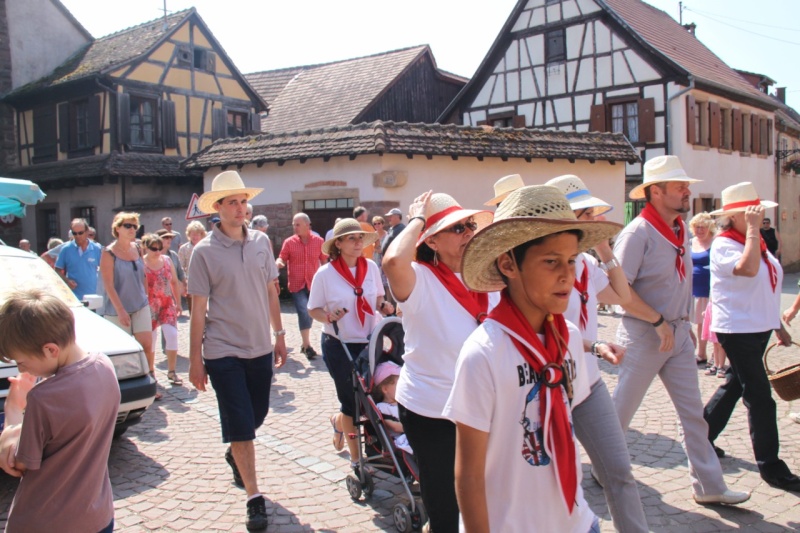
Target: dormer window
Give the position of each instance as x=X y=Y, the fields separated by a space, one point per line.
x=555 y=47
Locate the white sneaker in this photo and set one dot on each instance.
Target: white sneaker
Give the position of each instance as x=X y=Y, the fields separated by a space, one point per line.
x=730 y=497
x=795 y=417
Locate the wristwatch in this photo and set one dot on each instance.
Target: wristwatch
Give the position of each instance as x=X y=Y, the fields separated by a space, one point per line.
x=279 y=333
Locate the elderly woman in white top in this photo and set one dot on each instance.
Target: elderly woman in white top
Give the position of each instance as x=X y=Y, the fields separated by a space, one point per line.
x=423 y=266
x=745 y=299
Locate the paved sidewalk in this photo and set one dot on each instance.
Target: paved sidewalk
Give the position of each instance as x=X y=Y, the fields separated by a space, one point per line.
x=169 y=473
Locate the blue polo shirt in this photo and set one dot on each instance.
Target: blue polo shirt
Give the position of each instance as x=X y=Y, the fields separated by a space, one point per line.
x=81 y=266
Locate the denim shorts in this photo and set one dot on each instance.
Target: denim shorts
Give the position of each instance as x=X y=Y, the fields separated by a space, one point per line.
x=242 y=387
x=300 y=299
x=341 y=370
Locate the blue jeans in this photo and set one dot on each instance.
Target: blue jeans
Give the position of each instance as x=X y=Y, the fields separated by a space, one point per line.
x=242 y=387
x=300 y=299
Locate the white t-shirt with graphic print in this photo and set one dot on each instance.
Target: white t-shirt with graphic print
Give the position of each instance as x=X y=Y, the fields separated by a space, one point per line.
x=495 y=391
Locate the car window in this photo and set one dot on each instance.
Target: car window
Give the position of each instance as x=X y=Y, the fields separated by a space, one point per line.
x=16 y=272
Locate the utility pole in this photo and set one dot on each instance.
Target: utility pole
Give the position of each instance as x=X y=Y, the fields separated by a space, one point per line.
x=680 y=11
x=165 y=15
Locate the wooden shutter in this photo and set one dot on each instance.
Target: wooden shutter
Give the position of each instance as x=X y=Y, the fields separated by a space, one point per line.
x=518 y=121
x=45 y=134
x=714 y=124
x=219 y=123
x=94 y=121
x=755 y=135
x=255 y=123
x=597 y=118
x=691 y=110
x=123 y=118
x=769 y=136
x=647 y=120
x=170 y=133
x=737 y=130
x=63 y=128
x=211 y=62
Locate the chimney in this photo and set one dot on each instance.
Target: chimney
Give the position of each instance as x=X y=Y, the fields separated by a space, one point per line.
x=781 y=94
x=690 y=27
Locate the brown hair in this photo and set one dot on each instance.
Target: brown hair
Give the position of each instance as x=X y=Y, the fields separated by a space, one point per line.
x=377 y=391
x=150 y=239
x=120 y=219
x=31 y=318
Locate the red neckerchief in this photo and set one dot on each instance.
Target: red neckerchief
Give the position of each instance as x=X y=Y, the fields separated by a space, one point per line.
x=476 y=303
x=362 y=305
x=582 y=287
x=737 y=236
x=650 y=214
x=547 y=360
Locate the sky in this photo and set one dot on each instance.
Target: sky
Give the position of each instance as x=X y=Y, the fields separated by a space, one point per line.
x=269 y=34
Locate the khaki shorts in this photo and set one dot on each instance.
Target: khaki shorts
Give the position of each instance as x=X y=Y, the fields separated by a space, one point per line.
x=141 y=321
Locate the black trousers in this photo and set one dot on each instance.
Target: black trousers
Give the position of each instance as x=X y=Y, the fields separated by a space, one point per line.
x=747 y=379
x=434 y=443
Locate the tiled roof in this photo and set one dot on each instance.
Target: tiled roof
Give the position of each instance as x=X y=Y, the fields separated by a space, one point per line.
x=113 y=164
x=330 y=94
x=109 y=51
x=414 y=139
x=664 y=34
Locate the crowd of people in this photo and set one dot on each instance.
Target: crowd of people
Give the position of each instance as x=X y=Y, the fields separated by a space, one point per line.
x=500 y=379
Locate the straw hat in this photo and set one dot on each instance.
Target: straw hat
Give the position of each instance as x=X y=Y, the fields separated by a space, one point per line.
x=661 y=169
x=526 y=214
x=225 y=184
x=578 y=194
x=505 y=186
x=739 y=197
x=444 y=211
x=348 y=226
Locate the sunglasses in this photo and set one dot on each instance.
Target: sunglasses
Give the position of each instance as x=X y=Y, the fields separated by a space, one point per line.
x=167 y=223
x=461 y=227
x=155 y=249
x=128 y=225
x=377 y=223
x=78 y=232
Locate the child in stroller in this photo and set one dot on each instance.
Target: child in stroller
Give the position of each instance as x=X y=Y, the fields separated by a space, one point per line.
x=383 y=392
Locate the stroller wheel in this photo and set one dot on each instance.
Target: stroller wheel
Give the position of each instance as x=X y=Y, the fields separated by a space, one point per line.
x=419 y=516
x=354 y=487
x=402 y=518
x=369 y=485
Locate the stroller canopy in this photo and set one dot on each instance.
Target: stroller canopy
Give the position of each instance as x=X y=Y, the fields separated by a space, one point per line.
x=16 y=194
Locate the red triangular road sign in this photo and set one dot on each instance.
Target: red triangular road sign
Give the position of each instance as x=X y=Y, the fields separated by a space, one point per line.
x=194 y=212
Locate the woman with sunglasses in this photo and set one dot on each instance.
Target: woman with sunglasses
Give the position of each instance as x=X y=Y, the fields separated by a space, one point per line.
x=423 y=265
x=163 y=292
x=347 y=291
x=122 y=270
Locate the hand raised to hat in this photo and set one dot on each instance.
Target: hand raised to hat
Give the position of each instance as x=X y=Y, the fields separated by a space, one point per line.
x=753 y=215
x=419 y=207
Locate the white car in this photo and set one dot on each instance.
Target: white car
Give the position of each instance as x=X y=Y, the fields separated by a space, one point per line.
x=93 y=333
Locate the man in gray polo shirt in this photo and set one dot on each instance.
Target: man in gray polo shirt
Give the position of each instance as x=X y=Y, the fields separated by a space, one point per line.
x=231 y=274
x=654 y=253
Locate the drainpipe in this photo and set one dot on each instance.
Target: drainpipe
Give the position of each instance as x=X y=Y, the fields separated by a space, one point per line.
x=669 y=114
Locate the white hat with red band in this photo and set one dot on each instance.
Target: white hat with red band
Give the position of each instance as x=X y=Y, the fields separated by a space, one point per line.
x=739 y=197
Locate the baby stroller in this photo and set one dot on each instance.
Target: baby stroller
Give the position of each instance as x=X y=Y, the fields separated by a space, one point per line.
x=379 y=450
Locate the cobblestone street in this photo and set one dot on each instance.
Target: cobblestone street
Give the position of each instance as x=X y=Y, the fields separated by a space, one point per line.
x=169 y=474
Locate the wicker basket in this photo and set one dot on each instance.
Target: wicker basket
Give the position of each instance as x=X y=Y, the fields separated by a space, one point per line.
x=785 y=381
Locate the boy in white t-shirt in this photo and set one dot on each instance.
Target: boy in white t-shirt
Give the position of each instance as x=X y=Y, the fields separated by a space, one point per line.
x=517 y=463
x=386 y=375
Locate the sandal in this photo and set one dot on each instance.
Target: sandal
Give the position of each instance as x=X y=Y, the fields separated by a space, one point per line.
x=711 y=371
x=700 y=362
x=173 y=377
x=338 y=436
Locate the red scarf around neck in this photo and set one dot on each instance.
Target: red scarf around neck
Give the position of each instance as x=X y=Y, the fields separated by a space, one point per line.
x=547 y=361
x=476 y=303
x=737 y=236
x=650 y=214
x=582 y=286
x=362 y=305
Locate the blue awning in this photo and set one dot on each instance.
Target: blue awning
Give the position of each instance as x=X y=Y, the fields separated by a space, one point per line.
x=16 y=194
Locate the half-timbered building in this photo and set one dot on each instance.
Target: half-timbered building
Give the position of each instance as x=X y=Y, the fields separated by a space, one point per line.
x=106 y=130
x=401 y=85
x=625 y=66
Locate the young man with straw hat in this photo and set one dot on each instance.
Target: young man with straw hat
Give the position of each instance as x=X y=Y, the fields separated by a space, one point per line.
x=230 y=280
x=655 y=326
x=518 y=372
x=746 y=307
x=596 y=423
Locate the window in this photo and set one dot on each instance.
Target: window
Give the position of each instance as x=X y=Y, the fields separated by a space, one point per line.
x=504 y=120
x=143 y=121
x=555 y=50
x=204 y=60
x=238 y=124
x=633 y=118
x=44 y=134
x=328 y=203
x=79 y=126
x=625 y=119
x=87 y=213
x=747 y=139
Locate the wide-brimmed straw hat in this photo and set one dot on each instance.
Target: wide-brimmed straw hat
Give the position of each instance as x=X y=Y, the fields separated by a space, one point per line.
x=739 y=197
x=578 y=194
x=526 y=214
x=505 y=186
x=661 y=169
x=444 y=211
x=348 y=226
x=225 y=184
